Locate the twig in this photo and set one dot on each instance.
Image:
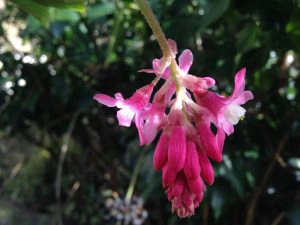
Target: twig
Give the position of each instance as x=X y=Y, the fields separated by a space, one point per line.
x=278 y=219
x=63 y=152
x=257 y=194
x=135 y=174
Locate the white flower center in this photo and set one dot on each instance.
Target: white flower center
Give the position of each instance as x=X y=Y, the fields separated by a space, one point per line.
x=234 y=113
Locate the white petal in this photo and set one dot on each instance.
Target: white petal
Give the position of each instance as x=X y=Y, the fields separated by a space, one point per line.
x=234 y=113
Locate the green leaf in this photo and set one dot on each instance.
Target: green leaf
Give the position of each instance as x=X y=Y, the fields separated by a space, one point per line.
x=100 y=10
x=293 y=26
x=40 y=8
x=37 y=10
x=213 y=10
x=77 y=5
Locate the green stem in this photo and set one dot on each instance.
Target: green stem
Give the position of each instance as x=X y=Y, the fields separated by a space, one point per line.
x=135 y=174
x=154 y=25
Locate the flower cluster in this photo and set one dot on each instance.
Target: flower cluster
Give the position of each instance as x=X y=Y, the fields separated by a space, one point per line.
x=125 y=212
x=185 y=110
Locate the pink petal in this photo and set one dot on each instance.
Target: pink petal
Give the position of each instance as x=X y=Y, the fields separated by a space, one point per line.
x=207 y=172
x=125 y=116
x=187 y=198
x=141 y=97
x=208 y=99
x=191 y=167
x=209 y=81
x=225 y=125
x=168 y=175
x=105 y=100
x=185 y=60
x=209 y=140
x=146 y=71
x=178 y=186
x=177 y=148
x=196 y=186
x=161 y=152
x=244 y=97
x=173 y=46
x=221 y=138
x=239 y=82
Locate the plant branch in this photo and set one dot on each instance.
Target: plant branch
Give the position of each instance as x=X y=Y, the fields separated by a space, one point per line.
x=266 y=176
x=62 y=156
x=154 y=25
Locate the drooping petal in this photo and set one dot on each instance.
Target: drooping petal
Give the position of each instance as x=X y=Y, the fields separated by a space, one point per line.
x=207 y=172
x=208 y=140
x=168 y=175
x=105 y=100
x=196 y=186
x=220 y=139
x=177 y=148
x=161 y=152
x=178 y=186
x=185 y=60
x=191 y=167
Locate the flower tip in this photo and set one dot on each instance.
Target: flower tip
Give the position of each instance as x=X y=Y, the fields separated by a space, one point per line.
x=105 y=100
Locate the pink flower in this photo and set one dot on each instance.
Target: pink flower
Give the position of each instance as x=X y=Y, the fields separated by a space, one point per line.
x=184 y=109
x=129 y=108
x=227 y=110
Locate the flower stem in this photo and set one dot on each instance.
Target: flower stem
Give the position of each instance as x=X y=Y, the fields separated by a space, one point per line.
x=154 y=25
x=133 y=181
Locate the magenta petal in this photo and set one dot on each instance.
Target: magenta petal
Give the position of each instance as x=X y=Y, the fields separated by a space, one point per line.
x=191 y=167
x=207 y=172
x=173 y=46
x=168 y=175
x=209 y=141
x=105 y=100
x=177 y=148
x=146 y=71
x=243 y=98
x=211 y=101
x=161 y=152
x=196 y=186
x=220 y=139
x=185 y=60
x=187 y=198
x=209 y=81
x=178 y=186
x=239 y=82
x=125 y=116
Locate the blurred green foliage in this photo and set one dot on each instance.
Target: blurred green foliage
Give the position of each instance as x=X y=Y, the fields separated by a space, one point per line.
x=49 y=75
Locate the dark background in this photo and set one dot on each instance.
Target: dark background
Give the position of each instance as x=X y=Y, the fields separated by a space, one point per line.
x=63 y=157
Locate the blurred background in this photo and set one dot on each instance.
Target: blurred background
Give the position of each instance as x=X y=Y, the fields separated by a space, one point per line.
x=65 y=160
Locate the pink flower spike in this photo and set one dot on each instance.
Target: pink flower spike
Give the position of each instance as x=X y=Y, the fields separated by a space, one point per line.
x=161 y=152
x=177 y=148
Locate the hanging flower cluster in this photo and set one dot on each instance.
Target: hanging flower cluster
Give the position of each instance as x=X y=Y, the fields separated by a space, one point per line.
x=184 y=109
